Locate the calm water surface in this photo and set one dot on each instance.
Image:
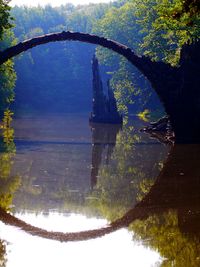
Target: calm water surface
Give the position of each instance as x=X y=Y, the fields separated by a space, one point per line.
x=97 y=195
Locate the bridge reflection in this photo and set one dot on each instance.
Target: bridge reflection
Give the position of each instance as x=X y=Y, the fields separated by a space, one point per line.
x=176 y=188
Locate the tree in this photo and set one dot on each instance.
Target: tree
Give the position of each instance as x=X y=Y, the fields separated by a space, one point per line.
x=5 y=17
x=7 y=74
x=8 y=183
x=65 y=83
x=164 y=32
x=164 y=38
x=133 y=92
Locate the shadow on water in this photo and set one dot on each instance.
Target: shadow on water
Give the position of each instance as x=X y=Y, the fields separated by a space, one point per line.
x=167 y=214
x=170 y=212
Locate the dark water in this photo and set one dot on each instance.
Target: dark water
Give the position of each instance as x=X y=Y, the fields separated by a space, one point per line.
x=97 y=195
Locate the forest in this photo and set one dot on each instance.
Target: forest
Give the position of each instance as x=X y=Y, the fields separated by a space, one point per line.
x=159 y=78
x=157 y=30
x=71 y=85
x=132 y=91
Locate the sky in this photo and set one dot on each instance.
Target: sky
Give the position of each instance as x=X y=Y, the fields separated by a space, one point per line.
x=54 y=2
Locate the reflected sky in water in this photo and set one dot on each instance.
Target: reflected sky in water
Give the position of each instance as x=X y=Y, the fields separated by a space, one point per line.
x=116 y=249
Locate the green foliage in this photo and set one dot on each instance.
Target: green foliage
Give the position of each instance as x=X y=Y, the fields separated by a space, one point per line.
x=4 y=17
x=128 y=177
x=162 y=233
x=8 y=183
x=65 y=83
x=7 y=83
x=7 y=130
x=7 y=74
x=3 y=256
x=164 y=31
x=144 y=115
x=132 y=91
x=72 y=83
x=119 y=24
x=157 y=29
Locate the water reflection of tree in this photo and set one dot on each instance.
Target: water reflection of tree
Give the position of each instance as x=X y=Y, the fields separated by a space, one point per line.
x=8 y=183
x=129 y=175
x=168 y=214
x=165 y=219
x=3 y=259
x=173 y=226
x=163 y=234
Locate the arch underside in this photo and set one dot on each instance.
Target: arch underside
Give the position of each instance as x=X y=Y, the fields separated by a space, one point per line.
x=151 y=70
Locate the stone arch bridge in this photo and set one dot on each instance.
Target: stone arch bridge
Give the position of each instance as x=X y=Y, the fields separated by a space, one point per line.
x=175 y=86
x=153 y=71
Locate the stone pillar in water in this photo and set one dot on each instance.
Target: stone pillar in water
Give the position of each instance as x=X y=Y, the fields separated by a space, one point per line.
x=104 y=109
x=99 y=100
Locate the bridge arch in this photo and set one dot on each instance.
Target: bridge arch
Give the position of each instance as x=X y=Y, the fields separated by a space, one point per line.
x=148 y=68
x=133 y=214
x=73 y=36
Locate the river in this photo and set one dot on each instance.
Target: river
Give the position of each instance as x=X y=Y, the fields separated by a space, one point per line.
x=97 y=195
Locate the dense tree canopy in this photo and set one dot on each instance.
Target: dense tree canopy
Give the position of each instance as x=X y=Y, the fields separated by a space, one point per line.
x=164 y=32
x=5 y=17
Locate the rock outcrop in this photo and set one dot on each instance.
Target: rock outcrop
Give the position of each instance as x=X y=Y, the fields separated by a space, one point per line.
x=104 y=108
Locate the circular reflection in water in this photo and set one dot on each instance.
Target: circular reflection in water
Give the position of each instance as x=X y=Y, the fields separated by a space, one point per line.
x=43 y=163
